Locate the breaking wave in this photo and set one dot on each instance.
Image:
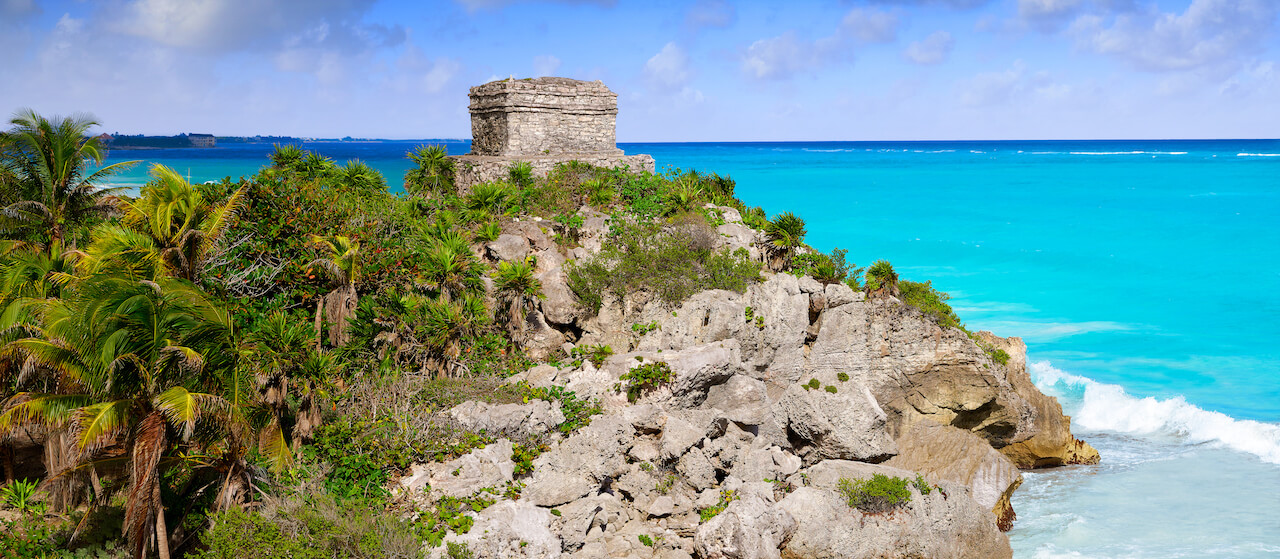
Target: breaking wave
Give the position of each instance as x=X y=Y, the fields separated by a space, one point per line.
x=1107 y=407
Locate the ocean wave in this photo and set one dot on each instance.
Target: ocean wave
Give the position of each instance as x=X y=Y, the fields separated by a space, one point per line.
x=1258 y=155
x=1138 y=152
x=1107 y=407
x=825 y=150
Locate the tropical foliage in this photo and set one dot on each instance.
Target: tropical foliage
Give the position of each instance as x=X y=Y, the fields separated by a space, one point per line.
x=238 y=368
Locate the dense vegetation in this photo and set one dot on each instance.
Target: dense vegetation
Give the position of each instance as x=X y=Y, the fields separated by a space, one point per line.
x=239 y=368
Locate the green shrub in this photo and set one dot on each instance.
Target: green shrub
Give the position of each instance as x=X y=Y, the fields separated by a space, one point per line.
x=458 y=551
x=726 y=496
x=998 y=355
x=673 y=262
x=642 y=329
x=645 y=540
x=665 y=484
x=921 y=485
x=814 y=384
x=644 y=378
x=879 y=494
x=577 y=411
x=596 y=354
x=826 y=268
x=830 y=389
x=20 y=495
x=842 y=377
x=487 y=232
x=931 y=302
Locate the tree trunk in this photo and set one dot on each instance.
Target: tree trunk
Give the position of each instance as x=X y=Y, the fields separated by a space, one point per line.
x=340 y=304
x=162 y=531
x=6 y=457
x=319 y=319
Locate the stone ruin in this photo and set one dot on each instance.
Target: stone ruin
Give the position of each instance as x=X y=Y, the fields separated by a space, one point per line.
x=545 y=122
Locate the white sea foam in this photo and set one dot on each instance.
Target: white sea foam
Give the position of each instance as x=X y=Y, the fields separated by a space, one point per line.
x=1258 y=155
x=1106 y=407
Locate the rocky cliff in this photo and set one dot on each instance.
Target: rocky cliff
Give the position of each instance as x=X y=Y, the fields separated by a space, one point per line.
x=777 y=397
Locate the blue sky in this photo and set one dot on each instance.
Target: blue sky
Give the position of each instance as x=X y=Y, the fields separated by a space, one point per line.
x=704 y=70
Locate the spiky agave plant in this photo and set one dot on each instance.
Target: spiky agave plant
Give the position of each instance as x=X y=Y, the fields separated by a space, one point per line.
x=450 y=269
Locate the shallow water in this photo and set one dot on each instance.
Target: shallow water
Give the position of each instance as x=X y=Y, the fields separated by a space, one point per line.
x=1142 y=274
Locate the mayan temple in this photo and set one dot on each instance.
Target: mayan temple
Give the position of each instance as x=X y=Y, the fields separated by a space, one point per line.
x=545 y=122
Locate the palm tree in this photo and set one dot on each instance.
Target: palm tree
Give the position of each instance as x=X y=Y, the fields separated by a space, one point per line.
x=520 y=174
x=48 y=160
x=169 y=229
x=882 y=279
x=517 y=290
x=434 y=173
x=286 y=156
x=342 y=266
x=783 y=235
x=362 y=178
x=444 y=325
x=149 y=368
x=450 y=269
x=286 y=362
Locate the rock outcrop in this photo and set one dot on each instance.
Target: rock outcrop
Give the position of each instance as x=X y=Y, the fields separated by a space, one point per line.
x=776 y=395
x=1053 y=444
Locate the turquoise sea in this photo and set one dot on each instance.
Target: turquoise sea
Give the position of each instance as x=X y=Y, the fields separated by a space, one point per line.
x=1143 y=275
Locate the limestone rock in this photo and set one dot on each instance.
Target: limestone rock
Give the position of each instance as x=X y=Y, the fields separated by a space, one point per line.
x=840 y=294
x=1053 y=444
x=508 y=247
x=944 y=524
x=921 y=369
x=490 y=466
x=509 y=529
x=587 y=461
x=536 y=417
x=541 y=340
x=742 y=399
x=846 y=425
x=944 y=452
x=752 y=527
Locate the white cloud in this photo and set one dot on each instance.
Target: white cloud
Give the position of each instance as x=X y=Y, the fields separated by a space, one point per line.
x=930 y=50
x=1013 y=88
x=870 y=26
x=1208 y=33
x=231 y=25
x=545 y=65
x=778 y=57
x=669 y=69
x=787 y=54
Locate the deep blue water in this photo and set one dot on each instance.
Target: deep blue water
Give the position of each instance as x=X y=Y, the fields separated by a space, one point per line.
x=1142 y=274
